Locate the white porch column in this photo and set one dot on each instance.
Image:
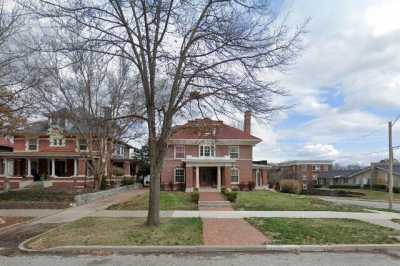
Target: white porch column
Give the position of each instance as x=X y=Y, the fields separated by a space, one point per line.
x=219 y=178
x=29 y=168
x=197 y=178
x=53 y=167
x=75 y=167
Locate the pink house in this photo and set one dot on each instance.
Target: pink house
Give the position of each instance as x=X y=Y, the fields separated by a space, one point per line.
x=208 y=155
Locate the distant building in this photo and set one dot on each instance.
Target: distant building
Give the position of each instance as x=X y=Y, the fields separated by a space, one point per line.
x=336 y=177
x=306 y=171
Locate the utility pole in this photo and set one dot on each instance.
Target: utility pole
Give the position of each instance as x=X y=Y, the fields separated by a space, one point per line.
x=390 y=166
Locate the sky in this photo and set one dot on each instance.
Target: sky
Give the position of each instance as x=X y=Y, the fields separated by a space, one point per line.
x=343 y=88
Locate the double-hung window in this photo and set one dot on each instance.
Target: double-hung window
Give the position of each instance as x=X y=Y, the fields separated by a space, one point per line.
x=179 y=151
x=32 y=144
x=316 y=167
x=82 y=145
x=179 y=175
x=207 y=151
x=57 y=142
x=120 y=150
x=234 y=152
x=235 y=175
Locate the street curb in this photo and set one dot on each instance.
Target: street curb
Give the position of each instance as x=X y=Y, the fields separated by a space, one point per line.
x=209 y=249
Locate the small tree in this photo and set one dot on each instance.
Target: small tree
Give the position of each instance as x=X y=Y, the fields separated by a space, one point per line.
x=191 y=56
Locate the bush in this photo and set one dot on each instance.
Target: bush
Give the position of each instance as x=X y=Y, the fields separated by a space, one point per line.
x=194 y=197
x=290 y=186
x=127 y=181
x=118 y=171
x=242 y=186
x=345 y=186
x=317 y=186
x=251 y=185
x=231 y=196
x=379 y=187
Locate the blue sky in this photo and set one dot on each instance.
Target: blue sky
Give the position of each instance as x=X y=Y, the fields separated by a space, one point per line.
x=344 y=87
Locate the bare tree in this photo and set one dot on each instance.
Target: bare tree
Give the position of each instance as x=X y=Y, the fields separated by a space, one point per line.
x=191 y=56
x=92 y=90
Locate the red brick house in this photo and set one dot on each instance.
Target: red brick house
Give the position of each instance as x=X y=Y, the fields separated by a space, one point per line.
x=208 y=154
x=52 y=151
x=306 y=171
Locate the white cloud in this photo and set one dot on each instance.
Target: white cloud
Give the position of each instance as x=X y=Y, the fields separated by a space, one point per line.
x=352 y=46
x=318 y=151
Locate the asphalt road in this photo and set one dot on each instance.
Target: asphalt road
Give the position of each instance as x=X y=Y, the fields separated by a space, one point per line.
x=303 y=259
x=362 y=203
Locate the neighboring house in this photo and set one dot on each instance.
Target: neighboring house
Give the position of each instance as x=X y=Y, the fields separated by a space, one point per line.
x=376 y=174
x=336 y=177
x=53 y=150
x=208 y=154
x=306 y=171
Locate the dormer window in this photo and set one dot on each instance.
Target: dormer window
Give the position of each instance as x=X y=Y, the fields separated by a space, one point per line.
x=207 y=151
x=57 y=142
x=32 y=144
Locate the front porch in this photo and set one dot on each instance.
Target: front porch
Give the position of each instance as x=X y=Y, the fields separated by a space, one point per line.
x=208 y=174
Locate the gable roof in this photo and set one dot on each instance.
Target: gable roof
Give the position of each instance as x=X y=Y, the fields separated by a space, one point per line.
x=338 y=173
x=209 y=129
x=383 y=167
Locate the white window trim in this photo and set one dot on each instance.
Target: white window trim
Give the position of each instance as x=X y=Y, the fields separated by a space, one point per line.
x=184 y=151
x=238 y=151
x=238 y=171
x=184 y=176
x=51 y=142
x=27 y=144
x=207 y=145
x=316 y=167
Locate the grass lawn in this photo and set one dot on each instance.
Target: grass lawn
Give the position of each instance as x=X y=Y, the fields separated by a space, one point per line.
x=322 y=231
x=276 y=201
x=122 y=231
x=168 y=201
x=373 y=194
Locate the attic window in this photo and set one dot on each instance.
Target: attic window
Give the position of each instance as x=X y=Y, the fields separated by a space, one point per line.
x=57 y=142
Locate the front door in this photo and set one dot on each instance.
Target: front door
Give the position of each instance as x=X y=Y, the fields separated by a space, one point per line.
x=208 y=176
x=258 y=178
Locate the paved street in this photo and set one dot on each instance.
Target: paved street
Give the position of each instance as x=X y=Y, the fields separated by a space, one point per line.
x=303 y=259
x=363 y=203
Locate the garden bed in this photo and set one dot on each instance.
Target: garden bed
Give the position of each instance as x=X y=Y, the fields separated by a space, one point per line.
x=38 y=198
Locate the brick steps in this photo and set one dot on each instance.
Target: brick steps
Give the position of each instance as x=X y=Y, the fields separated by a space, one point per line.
x=214 y=204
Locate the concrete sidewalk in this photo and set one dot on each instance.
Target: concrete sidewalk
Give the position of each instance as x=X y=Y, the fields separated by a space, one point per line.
x=361 y=202
x=76 y=213
x=378 y=218
x=28 y=212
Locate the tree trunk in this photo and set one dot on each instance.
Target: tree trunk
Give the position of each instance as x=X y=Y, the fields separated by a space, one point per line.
x=156 y=164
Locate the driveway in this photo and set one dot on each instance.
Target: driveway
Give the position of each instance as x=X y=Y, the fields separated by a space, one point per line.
x=363 y=203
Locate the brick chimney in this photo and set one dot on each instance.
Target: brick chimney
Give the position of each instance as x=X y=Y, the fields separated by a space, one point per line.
x=247 y=122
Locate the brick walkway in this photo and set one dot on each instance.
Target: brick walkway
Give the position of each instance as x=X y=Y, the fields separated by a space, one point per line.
x=211 y=196
x=228 y=231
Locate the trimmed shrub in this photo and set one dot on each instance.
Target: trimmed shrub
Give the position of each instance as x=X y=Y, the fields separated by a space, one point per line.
x=118 y=171
x=290 y=186
x=345 y=186
x=379 y=187
x=242 y=186
x=251 y=185
x=231 y=196
x=194 y=197
x=127 y=181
